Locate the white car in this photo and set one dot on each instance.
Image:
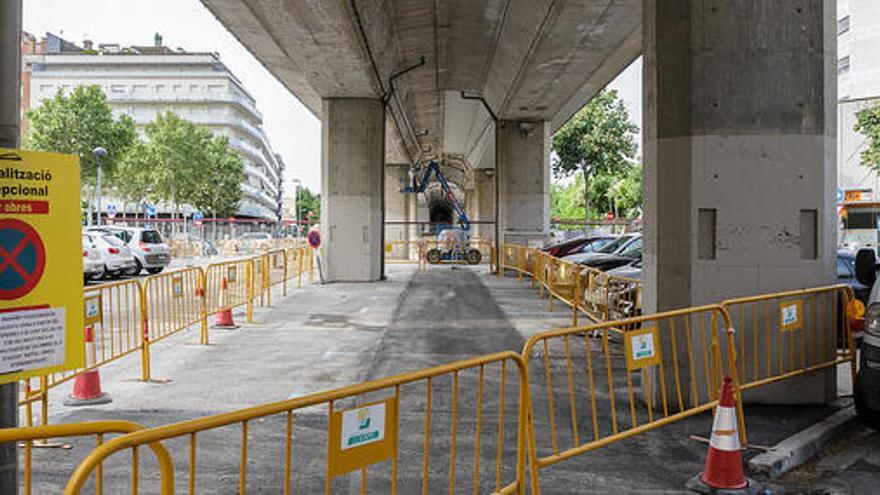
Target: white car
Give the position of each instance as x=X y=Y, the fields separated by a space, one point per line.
x=116 y=257
x=149 y=249
x=93 y=267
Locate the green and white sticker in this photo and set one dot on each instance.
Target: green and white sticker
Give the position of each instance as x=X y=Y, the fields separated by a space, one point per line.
x=363 y=426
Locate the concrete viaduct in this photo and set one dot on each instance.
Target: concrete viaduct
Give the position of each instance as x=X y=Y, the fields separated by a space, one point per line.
x=739 y=122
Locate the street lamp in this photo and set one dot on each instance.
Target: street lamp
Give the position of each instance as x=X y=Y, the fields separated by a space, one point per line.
x=100 y=153
x=296 y=184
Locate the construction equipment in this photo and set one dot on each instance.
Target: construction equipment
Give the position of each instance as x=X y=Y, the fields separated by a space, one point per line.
x=453 y=244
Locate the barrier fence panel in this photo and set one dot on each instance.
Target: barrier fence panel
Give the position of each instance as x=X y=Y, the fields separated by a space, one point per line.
x=451 y=428
x=791 y=333
x=405 y=252
x=98 y=429
x=277 y=272
x=597 y=384
x=113 y=312
x=239 y=277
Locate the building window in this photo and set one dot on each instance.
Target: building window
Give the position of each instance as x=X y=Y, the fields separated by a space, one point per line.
x=843 y=65
x=842 y=25
x=160 y=88
x=117 y=88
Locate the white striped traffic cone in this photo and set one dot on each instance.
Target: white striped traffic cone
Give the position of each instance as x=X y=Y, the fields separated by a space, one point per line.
x=724 y=467
x=87 y=385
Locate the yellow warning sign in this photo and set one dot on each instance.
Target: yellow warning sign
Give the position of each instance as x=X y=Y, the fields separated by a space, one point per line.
x=362 y=436
x=41 y=317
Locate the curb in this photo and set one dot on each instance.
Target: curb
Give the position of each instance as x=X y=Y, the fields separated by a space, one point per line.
x=802 y=446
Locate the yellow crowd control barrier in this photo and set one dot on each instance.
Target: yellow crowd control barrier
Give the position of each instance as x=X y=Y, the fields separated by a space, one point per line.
x=588 y=291
x=131 y=315
x=366 y=427
x=405 y=252
x=114 y=312
x=792 y=333
x=238 y=275
x=27 y=435
x=598 y=384
x=172 y=301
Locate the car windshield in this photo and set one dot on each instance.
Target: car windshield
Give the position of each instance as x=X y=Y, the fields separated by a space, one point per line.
x=595 y=245
x=615 y=244
x=633 y=249
x=151 y=237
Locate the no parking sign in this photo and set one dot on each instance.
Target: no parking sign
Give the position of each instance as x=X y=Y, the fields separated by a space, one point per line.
x=41 y=317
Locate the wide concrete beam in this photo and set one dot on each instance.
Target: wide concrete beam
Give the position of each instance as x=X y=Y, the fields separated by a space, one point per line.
x=352 y=171
x=739 y=152
x=523 y=182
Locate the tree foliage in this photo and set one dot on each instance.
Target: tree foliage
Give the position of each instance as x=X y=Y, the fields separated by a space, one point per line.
x=868 y=123
x=181 y=163
x=619 y=193
x=309 y=204
x=78 y=123
x=598 y=142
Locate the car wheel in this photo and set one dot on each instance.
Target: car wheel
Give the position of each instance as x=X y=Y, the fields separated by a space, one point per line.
x=154 y=271
x=473 y=256
x=434 y=256
x=136 y=270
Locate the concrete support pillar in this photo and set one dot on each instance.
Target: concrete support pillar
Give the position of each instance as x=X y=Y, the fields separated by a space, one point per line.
x=352 y=166
x=484 y=186
x=523 y=170
x=739 y=150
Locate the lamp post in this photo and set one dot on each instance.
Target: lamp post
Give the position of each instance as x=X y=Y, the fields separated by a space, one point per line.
x=296 y=184
x=100 y=153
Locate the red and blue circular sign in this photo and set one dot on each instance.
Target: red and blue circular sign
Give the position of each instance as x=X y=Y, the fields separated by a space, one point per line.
x=22 y=259
x=314 y=239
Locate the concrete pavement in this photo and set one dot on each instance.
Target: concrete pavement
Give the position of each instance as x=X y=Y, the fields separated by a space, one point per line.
x=327 y=336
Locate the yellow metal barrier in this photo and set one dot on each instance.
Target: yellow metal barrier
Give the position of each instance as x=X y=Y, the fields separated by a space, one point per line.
x=427 y=401
x=239 y=276
x=405 y=252
x=788 y=334
x=172 y=301
x=602 y=383
x=113 y=311
x=27 y=435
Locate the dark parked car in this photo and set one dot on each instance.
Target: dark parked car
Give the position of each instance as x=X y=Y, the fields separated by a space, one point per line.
x=580 y=244
x=867 y=390
x=616 y=246
x=608 y=261
x=846 y=274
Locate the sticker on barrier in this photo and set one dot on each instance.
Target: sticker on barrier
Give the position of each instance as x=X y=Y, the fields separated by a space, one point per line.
x=790 y=315
x=177 y=286
x=92 y=309
x=362 y=436
x=641 y=348
x=231 y=274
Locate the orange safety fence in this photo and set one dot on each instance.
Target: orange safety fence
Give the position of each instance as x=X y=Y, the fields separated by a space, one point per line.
x=455 y=427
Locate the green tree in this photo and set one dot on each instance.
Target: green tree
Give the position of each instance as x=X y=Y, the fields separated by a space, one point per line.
x=218 y=187
x=77 y=124
x=308 y=204
x=868 y=123
x=598 y=141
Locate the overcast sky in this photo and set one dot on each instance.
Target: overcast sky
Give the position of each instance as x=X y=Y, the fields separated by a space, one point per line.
x=293 y=131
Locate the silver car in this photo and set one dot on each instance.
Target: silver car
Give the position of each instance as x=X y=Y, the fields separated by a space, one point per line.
x=93 y=267
x=149 y=249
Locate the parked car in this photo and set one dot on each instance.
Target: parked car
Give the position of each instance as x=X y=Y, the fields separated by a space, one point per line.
x=253 y=242
x=846 y=274
x=93 y=267
x=631 y=270
x=867 y=389
x=580 y=244
x=616 y=246
x=116 y=257
x=149 y=250
x=604 y=262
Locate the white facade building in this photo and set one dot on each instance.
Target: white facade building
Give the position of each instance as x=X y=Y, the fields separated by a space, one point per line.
x=858 y=87
x=145 y=81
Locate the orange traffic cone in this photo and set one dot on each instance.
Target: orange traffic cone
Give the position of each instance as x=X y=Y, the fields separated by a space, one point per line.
x=224 y=317
x=724 y=467
x=87 y=385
